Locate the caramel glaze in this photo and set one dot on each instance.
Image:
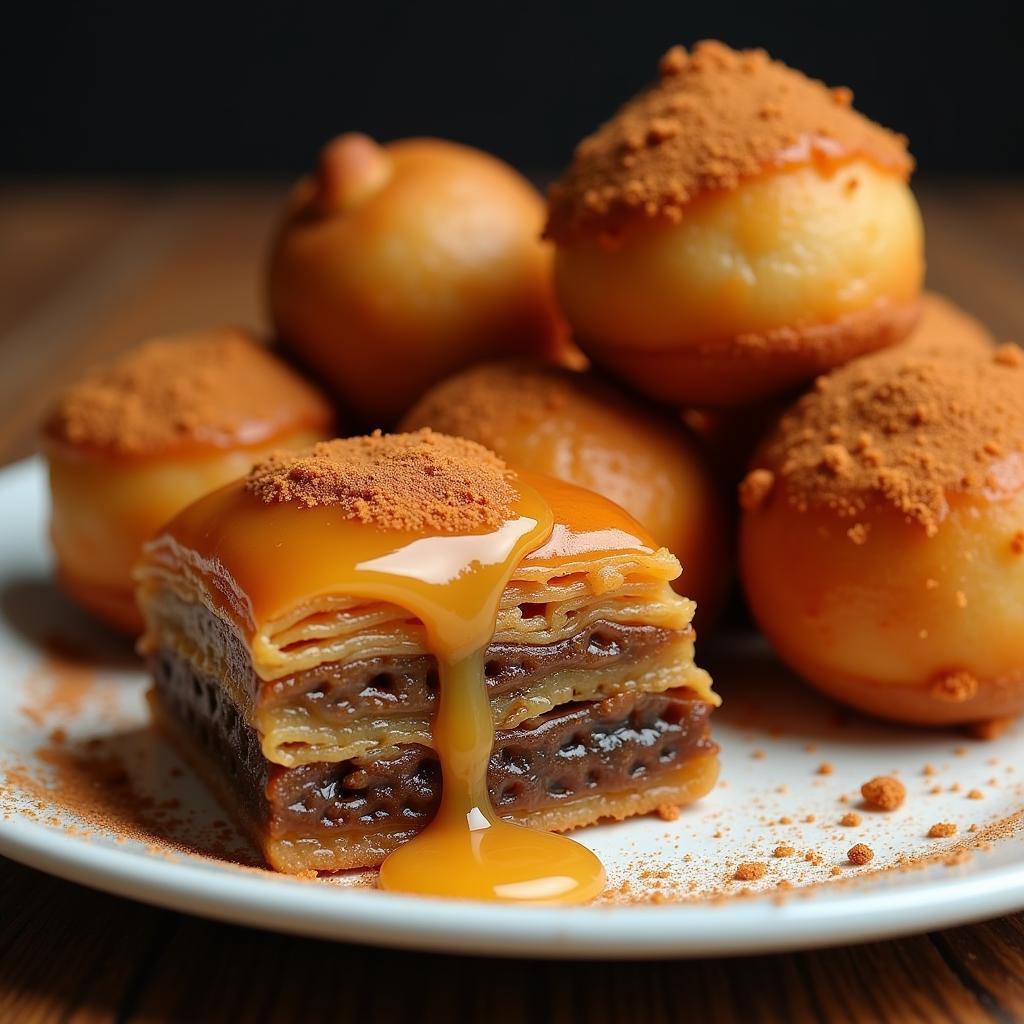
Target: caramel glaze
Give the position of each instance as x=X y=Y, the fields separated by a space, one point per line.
x=261 y=560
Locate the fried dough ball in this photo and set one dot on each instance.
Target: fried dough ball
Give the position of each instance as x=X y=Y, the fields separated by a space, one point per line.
x=578 y=428
x=133 y=443
x=734 y=230
x=881 y=543
x=397 y=265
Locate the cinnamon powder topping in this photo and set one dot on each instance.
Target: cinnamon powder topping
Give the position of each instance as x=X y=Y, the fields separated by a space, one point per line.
x=714 y=117
x=487 y=401
x=903 y=430
x=209 y=389
x=416 y=482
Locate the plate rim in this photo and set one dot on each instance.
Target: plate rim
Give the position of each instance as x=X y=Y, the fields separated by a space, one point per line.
x=756 y=925
x=730 y=927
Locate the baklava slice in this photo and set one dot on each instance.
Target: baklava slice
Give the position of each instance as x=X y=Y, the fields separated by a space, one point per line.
x=305 y=690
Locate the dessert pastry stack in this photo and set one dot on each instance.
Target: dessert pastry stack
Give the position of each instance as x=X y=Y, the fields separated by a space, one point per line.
x=465 y=613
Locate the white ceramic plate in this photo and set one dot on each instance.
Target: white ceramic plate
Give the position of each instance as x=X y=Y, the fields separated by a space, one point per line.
x=90 y=794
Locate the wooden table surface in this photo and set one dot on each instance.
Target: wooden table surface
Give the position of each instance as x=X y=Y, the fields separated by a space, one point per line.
x=86 y=271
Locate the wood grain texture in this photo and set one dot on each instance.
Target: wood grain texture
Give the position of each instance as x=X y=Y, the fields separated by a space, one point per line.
x=85 y=272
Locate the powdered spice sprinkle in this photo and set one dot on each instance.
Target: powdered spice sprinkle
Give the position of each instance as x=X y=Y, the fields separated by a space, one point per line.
x=715 y=117
x=413 y=482
x=210 y=389
x=901 y=430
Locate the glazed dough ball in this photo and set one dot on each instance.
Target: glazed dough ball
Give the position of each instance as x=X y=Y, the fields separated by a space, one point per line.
x=881 y=544
x=578 y=428
x=397 y=265
x=133 y=443
x=735 y=230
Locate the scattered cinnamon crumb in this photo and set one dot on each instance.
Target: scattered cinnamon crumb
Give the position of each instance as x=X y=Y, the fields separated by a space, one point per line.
x=928 y=769
x=858 y=533
x=669 y=812
x=755 y=488
x=835 y=870
x=1008 y=354
x=750 y=871
x=785 y=820
x=809 y=819
x=942 y=830
x=850 y=819
x=860 y=854
x=412 y=482
x=783 y=850
x=975 y=794
x=883 y=793
x=825 y=768
x=954 y=687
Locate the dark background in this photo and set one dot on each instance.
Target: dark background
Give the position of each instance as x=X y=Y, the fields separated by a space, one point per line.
x=155 y=90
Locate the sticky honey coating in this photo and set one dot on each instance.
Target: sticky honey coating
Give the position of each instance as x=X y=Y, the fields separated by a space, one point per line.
x=259 y=558
x=578 y=428
x=880 y=545
x=753 y=290
x=102 y=511
x=134 y=442
x=894 y=623
x=397 y=265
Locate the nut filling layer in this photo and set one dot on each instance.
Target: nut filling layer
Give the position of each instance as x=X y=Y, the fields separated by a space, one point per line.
x=576 y=751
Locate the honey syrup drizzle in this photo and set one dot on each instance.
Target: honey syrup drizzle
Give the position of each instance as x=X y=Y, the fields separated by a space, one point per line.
x=454 y=585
